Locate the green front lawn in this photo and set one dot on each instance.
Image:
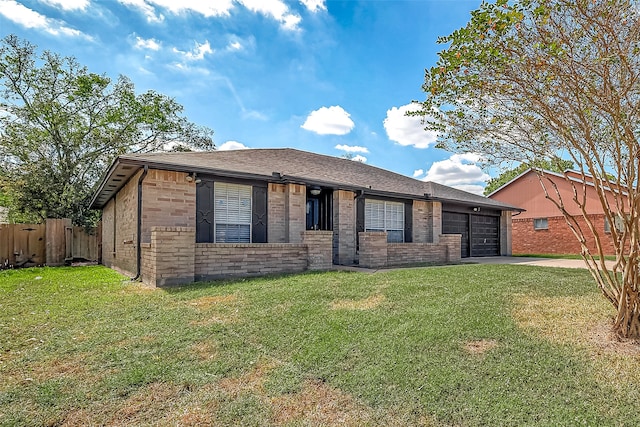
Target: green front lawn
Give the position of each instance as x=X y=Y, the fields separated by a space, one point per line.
x=459 y=345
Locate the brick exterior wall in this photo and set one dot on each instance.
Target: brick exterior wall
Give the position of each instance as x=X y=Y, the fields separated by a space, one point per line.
x=276 y=219
x=422 y=217
x=172 y=257
x=119 y=229
x=373 y=249
x=453 y=245
x=319 y=254
x=375 y=252
x=344 y=227
x=296 y=212
x=167 y=200
x=169 y=258
x=435 y=226
x=557 y=238
x=218 y=260
x=506 y=233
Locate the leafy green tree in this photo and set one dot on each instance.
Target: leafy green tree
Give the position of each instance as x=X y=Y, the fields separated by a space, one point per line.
x=557 y=165
x=527 y=80
x=61 y=126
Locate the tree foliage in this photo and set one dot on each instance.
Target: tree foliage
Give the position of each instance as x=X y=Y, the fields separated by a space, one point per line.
x=557 y=165
x=61 y=126
x=527 y=80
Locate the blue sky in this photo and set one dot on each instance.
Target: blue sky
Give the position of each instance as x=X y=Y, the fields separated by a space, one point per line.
x=332 y=77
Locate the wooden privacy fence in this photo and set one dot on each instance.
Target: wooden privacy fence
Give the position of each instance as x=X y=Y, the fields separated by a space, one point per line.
x=55 y=242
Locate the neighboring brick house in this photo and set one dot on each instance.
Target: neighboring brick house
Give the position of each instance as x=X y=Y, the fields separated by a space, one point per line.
x=205 y=215
x=541 y=228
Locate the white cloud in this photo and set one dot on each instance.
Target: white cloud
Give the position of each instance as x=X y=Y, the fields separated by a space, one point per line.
x=459 y=171
x=197 y=53
x=275 y=9
x=206 y=8
x=329 y=121
x=187 y=69
x=359 y=158
x=352 y=148
x=150 y=44
x=68 y=4
x=408 y=130
x=29 y=18
x=232 y=145
x=418 y=172
x=146 y=9
x=236 y=45
x=314 y=5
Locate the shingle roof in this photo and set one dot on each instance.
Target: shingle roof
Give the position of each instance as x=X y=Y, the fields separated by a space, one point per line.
x=293 y=166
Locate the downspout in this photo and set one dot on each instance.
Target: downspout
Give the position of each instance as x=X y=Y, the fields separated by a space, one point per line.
x=139 y=227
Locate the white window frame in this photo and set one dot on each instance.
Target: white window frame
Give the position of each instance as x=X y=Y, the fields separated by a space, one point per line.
x=236 y=200
x=385 y=218
x=538 y=221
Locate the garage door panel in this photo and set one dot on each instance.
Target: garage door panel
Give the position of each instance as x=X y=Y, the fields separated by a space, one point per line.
x=457 y=223
x=485 y=232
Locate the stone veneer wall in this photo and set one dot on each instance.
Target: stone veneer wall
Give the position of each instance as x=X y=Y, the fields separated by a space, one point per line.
x=375 y=252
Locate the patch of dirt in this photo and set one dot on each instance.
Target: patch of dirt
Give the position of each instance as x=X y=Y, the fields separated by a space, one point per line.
x=582 y=320
x=364 y=304
x=252 y=381
x=480 y=346
x=146 y=404
x=205 y=350
x=215 y=309
x=566 y=319
x=605 y=340
x=319 y=404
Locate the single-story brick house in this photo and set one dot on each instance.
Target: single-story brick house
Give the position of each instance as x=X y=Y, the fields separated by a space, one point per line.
x=541 y=228
x=173 y=218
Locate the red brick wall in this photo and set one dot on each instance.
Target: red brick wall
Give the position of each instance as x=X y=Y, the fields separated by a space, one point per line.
x=558 y=238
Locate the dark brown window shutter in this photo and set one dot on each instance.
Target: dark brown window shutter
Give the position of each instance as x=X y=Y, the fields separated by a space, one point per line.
x=408 y=221
x=259 y=215
x=204 y=212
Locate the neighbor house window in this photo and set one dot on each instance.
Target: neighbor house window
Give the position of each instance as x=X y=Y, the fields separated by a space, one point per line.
x=618 y=221
x=232 y=213
x=540 y=224
x=385 y=216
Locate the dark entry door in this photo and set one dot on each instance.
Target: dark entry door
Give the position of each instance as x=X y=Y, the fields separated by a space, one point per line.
x=485 y=235
x=457 y=223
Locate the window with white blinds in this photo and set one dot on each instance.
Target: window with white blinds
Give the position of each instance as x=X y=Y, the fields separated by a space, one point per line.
x=232 y=213
x=385 y=216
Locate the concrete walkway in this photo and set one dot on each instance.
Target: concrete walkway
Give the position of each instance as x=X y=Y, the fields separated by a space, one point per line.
x=540 y=262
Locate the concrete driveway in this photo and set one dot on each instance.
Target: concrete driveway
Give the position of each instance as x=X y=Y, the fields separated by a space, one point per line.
x=540 y=262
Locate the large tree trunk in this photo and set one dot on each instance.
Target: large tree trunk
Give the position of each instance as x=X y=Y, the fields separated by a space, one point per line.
x=627 y=322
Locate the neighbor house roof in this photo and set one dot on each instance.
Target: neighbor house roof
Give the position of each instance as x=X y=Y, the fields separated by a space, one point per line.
x=287 y=165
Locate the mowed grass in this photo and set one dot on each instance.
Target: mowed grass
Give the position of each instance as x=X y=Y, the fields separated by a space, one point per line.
x=456 y=345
